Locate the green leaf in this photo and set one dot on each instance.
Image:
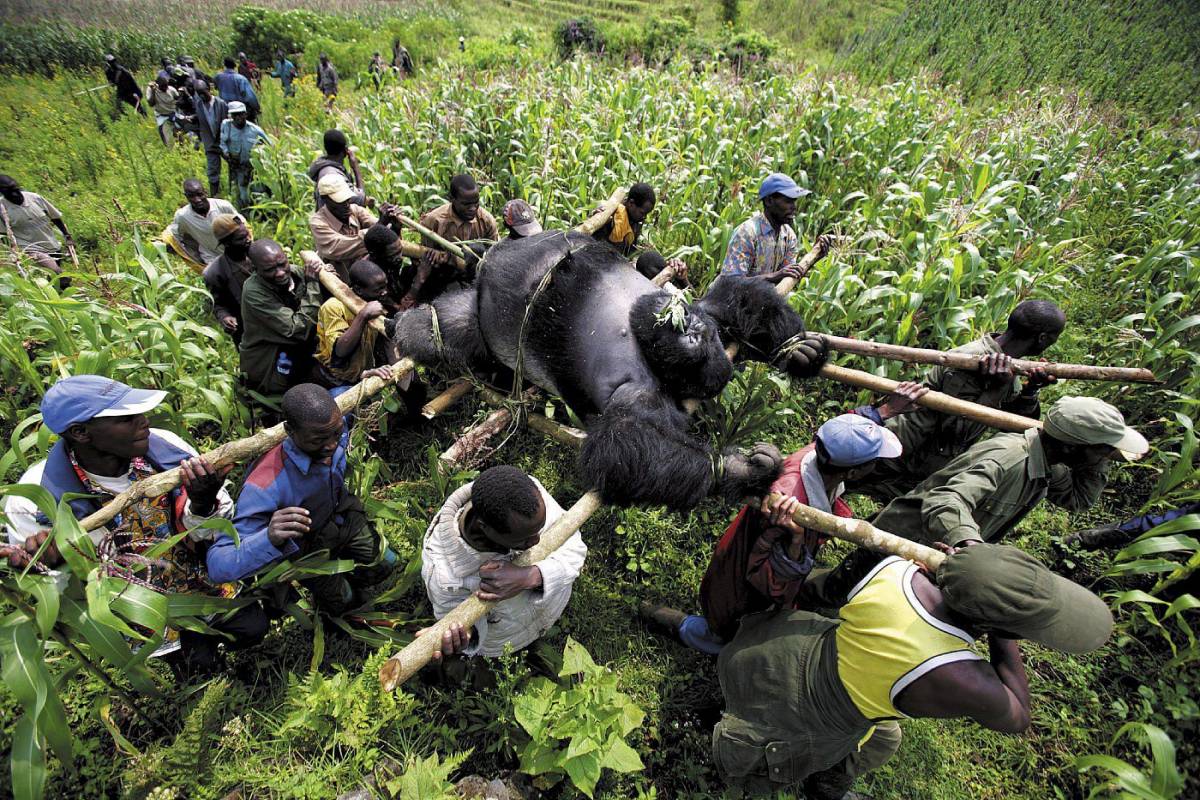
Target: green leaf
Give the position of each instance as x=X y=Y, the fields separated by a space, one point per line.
x=103 y=710
x=584 y=772
x=110 y=646
x=28 y=760
x=25 y=674
x=141 y=606
x=99 y=596
x=44 y=589
x=576 y=659
x=621 y=757
x=72 y=541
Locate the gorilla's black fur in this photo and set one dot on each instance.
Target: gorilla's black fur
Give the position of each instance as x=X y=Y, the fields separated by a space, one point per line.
x=597 y=335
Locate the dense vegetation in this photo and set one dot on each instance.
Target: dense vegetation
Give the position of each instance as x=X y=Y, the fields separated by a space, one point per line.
x=955 y=212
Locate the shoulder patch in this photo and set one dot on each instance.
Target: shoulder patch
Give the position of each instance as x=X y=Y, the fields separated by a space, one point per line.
x=267 y=469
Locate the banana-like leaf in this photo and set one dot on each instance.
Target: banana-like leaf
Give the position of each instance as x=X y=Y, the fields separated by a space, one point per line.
x=109 y=645
x=25 y=674
x=28 y=761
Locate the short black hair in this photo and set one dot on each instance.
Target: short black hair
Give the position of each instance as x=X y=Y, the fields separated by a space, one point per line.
x=499 y=491
x=650 y=263
x=461 y=183
x=335 y=142
x=261 y=248
x=230 y=62
x=1033 y=317
x=308 y=405
x=8 y=179
x=378 y=239
x=363 y=270
x=191 y=182
x=641 y=194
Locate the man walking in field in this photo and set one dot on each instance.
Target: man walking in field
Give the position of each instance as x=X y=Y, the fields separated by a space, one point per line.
x=327 y=81
x=190 y=233
x=122 y=79
x=162 y=98
x=238 y=138
x=285 y=70
x=211 y=112
x=234 y=87
x=932 y=439
x=30 y=221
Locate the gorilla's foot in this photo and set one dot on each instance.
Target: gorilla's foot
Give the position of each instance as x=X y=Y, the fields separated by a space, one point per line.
x=749 y=473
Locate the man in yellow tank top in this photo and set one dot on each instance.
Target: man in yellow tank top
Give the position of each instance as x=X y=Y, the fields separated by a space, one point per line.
x=903 y=647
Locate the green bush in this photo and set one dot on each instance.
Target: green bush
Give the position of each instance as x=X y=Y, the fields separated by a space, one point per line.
x=578 y=35
x=262 y=31
x=45 y=47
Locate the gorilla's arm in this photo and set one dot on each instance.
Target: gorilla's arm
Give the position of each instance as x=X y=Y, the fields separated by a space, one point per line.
x=749 y=311
x=461 y=344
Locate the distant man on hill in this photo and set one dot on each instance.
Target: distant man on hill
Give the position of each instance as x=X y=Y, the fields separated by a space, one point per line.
x=126 y=85
x=285 y=70
x=32 y=219
x=225 y=275
x=239 y=136
x=249 y=70
x=766 y=245
x=211 y=111
x=932 y=439
x=236 y=88
x=191 y=231
x=163 y=98
x=327 y=81
x=338 y=155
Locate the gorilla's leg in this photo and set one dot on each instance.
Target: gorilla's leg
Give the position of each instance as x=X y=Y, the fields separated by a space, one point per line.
x=456 y=341
x=749 y=311
x=639 y=451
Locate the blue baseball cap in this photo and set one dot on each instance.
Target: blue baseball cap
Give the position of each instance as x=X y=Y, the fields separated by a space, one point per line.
x=852 y=440
x=784 y=185
x=84 y=397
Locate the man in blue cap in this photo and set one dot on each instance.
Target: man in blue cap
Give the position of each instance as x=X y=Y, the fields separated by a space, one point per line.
x=764 y=557
x=105 y=445
x=765 y=245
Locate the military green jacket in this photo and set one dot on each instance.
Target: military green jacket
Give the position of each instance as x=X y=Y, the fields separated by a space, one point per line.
x=987 y=491
x=930 y=438
x=275 y=320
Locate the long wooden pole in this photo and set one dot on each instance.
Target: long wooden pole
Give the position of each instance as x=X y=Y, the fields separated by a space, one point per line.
x=336 y=287
x=418 y=653
x=452 y=394
x=966 y=361
x=447 y=245
x=598 y=220
x=235 y=452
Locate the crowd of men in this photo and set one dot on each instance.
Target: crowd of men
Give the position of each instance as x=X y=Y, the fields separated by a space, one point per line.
x=853 y=647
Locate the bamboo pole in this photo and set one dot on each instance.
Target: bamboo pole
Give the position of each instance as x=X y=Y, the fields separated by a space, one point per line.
x=404 y=664
x=334 y=285
x=235 y=452
x=447 y=245
x=938 y=401
x=864 y=534
x=598 y=220
x=452 y=394
x=966 y=361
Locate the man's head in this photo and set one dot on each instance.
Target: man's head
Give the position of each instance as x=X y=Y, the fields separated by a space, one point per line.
x=279 y=53
x=187 y=61
x=639 y=202
x=383 y=244
x=464 y=197
x=313 y=421
x=167 y=63
x=162 y=82
x=367 y=279
x=102 y=414
x=201 y=88
x=335 y=143
x=110 y=60
x=237 y=112
x=1084 y=432
x=778 y=193
x=270 y=262
x=520 y=220
x=1033 y=327
x=10 y=189
x=324 y=58
x=231 y=232
x=230 y=63
x=1000 y=588
x=196 y=195
x=508 y=508
x=241 y=55
x=849 y=445
x=337 y=194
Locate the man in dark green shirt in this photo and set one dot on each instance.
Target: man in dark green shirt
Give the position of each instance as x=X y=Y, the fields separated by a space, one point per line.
x=279 y=315
x=932 y=439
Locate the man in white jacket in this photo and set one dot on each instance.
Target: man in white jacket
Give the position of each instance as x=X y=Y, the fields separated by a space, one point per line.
x=469 y=549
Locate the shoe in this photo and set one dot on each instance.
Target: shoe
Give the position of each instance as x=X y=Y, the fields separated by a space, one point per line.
x=662 y=620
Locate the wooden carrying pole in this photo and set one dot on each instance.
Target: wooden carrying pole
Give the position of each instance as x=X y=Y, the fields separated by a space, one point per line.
x=451 y=395
x=234 y=452
x=402 y=666
x=966 y=361
x=447 y=245
x=864 y=534
x=598 y=220
x=334 y=285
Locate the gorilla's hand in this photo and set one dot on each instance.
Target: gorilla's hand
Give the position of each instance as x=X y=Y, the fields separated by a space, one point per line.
x=806 y=358
x=750 y=473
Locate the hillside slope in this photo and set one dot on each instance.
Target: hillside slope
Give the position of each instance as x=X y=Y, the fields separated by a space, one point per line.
x=1142 y=54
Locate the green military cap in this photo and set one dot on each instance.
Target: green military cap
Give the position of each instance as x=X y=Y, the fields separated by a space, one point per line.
x=1089 y=421
x=1002 y=588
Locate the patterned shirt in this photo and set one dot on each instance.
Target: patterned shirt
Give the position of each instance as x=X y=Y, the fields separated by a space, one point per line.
x=757 y=249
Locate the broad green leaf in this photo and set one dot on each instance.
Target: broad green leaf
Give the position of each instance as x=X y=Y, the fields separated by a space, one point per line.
x=576 y=659
x=43 y=589
x=621 y=757
x=72 y=541
x=99 y=597
x=584 y=772
x=28 y=761
x=25 y=674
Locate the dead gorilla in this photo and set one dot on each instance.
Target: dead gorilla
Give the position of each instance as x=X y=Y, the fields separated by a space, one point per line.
x=595 y=337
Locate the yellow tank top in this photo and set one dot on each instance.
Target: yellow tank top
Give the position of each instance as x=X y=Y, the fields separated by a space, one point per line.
x=887 y=639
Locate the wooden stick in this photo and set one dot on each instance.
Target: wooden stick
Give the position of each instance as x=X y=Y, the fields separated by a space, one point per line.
x=444 y=243
x=12 y=243
x=938 y=401
x=864 y=534
x=468 y=446
x=234 y=452
x=453 y=393
x=966 y=361
x=334 y=285
x=404 y=664
x=598 y=220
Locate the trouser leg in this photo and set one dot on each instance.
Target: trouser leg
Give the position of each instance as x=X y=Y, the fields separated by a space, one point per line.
x=246 y=627
x=212 y=155
x=354 y=539
x=833 y=783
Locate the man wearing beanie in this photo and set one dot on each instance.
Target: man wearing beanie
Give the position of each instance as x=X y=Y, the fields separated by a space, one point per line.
x=225 y=275
x=105 y=445
x=983 y=494
x=901 y=648
x=764 y=558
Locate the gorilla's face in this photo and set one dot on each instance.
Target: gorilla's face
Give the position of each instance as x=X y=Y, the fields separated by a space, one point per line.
x=698 y=334
x=687 y=358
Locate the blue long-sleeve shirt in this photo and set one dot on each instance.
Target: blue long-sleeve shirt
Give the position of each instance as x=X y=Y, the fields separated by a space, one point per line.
x=232 y=85
x=284 y=477
x=1139 y=525
x=238 y=142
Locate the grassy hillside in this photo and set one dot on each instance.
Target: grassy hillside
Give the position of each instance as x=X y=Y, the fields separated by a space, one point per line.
x=1143 y=54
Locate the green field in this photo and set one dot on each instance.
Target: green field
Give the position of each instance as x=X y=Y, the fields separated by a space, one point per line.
x=955 y=208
